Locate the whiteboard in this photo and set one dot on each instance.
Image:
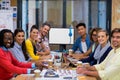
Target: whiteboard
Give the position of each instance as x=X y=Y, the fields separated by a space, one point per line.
x=61 y=36
x=6 y=20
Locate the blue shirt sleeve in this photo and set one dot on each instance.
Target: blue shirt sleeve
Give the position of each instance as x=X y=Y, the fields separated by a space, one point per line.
x=75 y=45
x=33 y=65
x=28 y=71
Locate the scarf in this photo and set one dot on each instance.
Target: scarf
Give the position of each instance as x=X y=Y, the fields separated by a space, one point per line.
x=99 y=52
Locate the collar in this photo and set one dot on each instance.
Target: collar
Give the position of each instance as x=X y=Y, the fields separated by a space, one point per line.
x=4 y=48
x=87 y=37
x=41 y=36
x=116 y=50
x=17 y=45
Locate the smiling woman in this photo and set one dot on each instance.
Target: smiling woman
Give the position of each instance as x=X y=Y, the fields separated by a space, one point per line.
x=8 y=64
x=101 y=51
x=19 y=49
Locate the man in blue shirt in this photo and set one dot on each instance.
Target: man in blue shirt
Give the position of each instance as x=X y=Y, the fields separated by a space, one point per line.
x=82 y=43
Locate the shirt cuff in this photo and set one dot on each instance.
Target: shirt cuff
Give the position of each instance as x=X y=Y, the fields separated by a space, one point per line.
x=102 y=75
x=33 y=65
x=98 y=67
x=28 y=71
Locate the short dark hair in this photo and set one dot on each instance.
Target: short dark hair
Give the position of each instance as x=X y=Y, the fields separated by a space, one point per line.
x=81 y=24
x=33 y=27
x=116 y=30
x=2 y=32
x=47 y=24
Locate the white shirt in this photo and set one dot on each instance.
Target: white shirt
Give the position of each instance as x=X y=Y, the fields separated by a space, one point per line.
x=84 y=46
x=109 y=69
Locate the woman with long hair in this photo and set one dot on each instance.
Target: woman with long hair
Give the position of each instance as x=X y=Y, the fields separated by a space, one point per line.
x=19 y=49
x=31 y=45
x=8 y=64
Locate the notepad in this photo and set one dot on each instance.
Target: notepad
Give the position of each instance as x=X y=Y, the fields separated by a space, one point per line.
x=51 y=73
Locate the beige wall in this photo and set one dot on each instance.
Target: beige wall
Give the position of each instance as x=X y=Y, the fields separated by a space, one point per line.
x=115 y=14
x=54 y=12
x=13 y=2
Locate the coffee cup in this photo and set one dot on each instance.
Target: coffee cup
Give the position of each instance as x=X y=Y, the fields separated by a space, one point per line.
x=86 y=65
x=50 y=63
x=37 y=73
x=70 y=52
x=79 y=63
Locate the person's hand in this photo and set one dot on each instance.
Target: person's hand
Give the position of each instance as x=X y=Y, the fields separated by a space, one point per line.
x=32 y=71
x=21 y=77
x=86 y=65
x=46 y=57
x=40 y=65
x=76 y=56
x=39 y=53
x=80 y=70
x=37 y=40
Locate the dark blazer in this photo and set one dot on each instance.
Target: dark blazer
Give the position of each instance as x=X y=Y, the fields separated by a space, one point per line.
x=93 y=61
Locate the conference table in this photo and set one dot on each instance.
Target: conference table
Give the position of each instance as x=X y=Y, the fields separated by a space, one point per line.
x=66 y=74
x=28 y=77
x=63 y=71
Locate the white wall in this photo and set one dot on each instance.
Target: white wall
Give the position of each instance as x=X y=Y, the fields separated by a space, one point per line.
x=31 y=13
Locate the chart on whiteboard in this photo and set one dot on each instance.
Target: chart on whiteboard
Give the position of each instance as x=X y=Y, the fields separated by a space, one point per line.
x=6 y=20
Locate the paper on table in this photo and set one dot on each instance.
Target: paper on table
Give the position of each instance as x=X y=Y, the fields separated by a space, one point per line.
x=50 y=73
x=48 y=79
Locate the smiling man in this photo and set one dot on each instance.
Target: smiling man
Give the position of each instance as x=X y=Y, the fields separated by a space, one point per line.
x=43 y=45
x=109 y=69
x=83 y=42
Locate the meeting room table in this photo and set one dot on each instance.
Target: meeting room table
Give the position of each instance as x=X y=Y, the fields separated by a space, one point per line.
x=63 y=71
x=65 y=74
x=28 y=77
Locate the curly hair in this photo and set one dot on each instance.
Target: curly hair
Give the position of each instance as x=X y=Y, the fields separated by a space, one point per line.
x=2 y=32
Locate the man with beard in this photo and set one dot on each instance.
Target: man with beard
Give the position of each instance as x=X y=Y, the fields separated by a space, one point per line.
x=109 y=69
x=43 y=42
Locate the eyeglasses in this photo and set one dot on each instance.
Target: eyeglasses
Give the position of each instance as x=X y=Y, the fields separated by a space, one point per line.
x=94 y=35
